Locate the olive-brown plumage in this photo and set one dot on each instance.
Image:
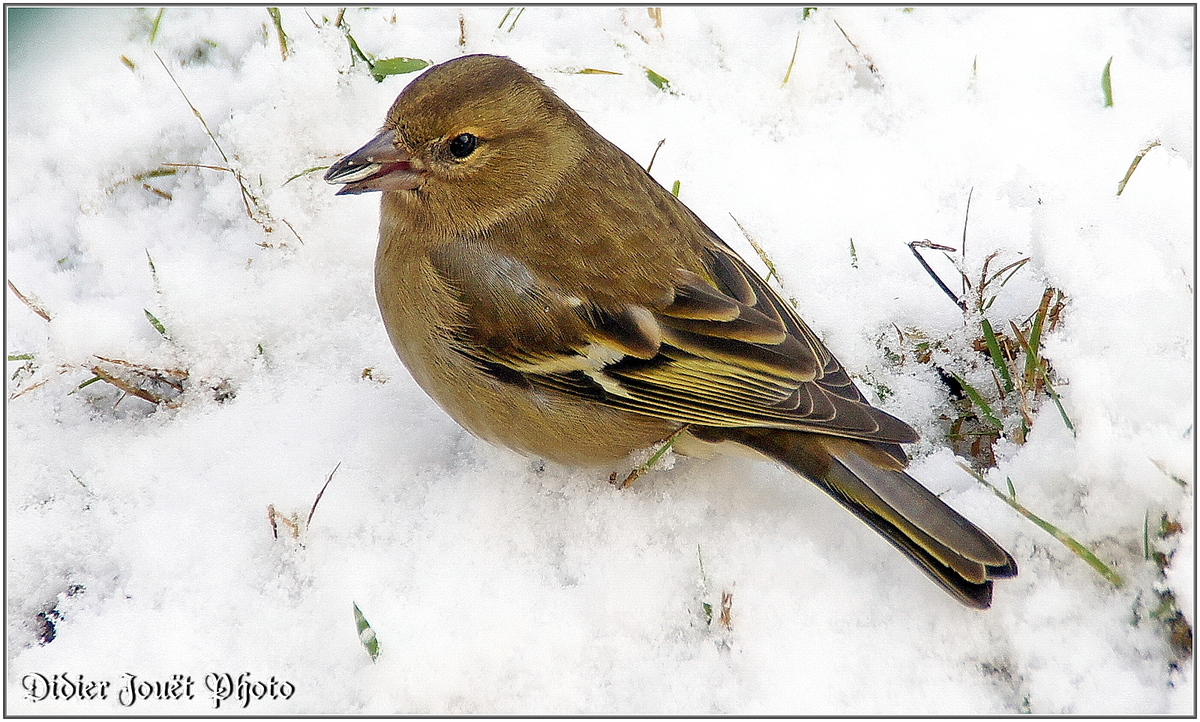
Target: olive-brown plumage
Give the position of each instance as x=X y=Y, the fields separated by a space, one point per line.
x=553 y=298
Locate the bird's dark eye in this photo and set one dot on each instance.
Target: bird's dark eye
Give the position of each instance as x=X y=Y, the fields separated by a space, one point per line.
x=463 y=145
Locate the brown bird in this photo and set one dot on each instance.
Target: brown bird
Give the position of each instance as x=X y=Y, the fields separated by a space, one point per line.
x=554 y=298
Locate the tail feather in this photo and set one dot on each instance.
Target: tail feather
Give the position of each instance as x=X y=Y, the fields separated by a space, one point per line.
x=915 y=504
x=966 y=578
x=871 y=483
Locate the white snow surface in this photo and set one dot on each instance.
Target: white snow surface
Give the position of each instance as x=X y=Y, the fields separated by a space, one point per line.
x=138 y=539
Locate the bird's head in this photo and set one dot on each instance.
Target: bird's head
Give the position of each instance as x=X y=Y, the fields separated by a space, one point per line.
x=475 y=137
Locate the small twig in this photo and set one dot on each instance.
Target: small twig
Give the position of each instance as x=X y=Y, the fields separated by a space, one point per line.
x=320 y=494
x=966 y=217
x=293 y=230
x=254 y=208
x=31 y=387
x=150 y=370
x=246 y=197
x=201 y=165
x=157 y=192
x=128 y=388
x=870 y=65
x=726 y=618
x=912 y=246
x=759 y=250
x=788 y=75
x=194 y=111
x=1133 y=166
x=32 y=306
x=1173 y=477
x=655 y=155
x=273 y=515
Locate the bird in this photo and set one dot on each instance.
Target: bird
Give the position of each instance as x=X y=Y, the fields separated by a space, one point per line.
x=554 y=299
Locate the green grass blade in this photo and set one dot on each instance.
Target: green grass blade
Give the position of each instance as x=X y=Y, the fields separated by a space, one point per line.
x=515 y=18
x=154 y=27
x=1080 y=550
x=156 y=173
x=1033 y=351
x=514 y=22
x=305 y=172
x=89 y=382
x=1058 y=403
x=366 y=634
x=162 y=330
x=1045 y=379
x=659 y=81
x=20 y=357
x=1106 y=84
x=675 y=189
x=1011 y=269
x=355 y=50
x=277 y=19
x=662 y=450
x=397 y=66
x=978 y=400
x=638 y=471
x=997 y=357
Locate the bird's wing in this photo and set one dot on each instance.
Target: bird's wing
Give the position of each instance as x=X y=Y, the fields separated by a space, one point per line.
x=724 y=351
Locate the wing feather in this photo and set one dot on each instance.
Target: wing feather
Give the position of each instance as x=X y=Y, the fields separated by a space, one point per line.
x=723 y=350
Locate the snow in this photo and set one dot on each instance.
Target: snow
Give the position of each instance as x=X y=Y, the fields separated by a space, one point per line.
x=497 y=584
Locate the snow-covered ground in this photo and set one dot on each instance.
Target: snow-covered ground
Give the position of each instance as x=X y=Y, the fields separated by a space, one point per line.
x=138 y=538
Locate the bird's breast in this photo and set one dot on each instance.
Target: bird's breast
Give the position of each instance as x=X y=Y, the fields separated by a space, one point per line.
x=433 y=324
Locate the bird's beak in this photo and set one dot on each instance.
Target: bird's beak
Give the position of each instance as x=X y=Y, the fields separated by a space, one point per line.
x=377 y=166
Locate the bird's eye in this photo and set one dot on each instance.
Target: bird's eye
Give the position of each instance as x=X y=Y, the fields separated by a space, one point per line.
x=463 y=145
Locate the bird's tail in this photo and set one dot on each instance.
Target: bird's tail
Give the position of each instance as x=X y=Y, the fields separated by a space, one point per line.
x=870 y=482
